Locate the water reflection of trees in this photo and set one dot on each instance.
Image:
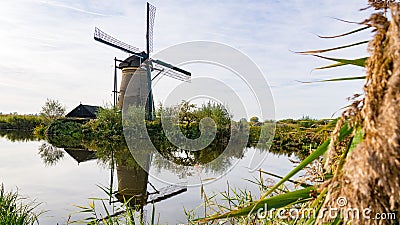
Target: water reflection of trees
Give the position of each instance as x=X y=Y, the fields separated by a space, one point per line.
x=216 y=152
x=215 y=158
x=50 y=154
x=119 y=153
x=18 y=135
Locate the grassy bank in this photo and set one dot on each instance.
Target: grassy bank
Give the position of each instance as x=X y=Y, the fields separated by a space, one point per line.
x=20 y=122
x=15 y=210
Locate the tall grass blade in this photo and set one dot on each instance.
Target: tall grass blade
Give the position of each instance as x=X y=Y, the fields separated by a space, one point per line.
x=272 y=202
x=332 y=49
x=345 y=34
x=153 y=214
x=330 y=66
x=280 y=177
x=346 y=21
x=358 y=137
x=15 y=210
x=287 y=198
x=335 y=79
x=344 y=132
x=356 y=62
x=337 y=221
x=317 y=153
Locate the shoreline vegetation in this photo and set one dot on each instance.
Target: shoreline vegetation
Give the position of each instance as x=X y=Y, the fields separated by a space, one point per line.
x=291 y=135
x=20 y=122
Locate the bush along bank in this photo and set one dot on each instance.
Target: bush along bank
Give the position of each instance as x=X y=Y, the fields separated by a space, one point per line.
x=20 y=122
x=291 y=136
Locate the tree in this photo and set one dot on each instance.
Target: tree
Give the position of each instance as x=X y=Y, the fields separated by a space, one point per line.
x=186 y=115
x=52 y=109
x=50 y=154
x=254 y=119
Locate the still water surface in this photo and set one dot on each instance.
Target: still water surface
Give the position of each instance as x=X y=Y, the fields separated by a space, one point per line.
x=74 y=177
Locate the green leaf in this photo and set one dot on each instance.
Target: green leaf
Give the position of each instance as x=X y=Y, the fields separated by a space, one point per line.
x=153 y=215
x=335 y=79
x=292 y=181
x=347 y=21
x=337 y=221
x=345 y=34
x=81 y=207
x=330 y=66
x=91 y=204
x=341 y=62
x=357 y=139
x=317 y=204
x=344 y=132
x=288 y=198
x=332 y=49
x=266 y=204
x=317 y=153
x=283 y=199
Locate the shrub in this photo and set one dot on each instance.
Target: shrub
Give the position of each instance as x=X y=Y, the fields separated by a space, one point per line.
x=20 y=122
x=108 y=125
x=65 y=128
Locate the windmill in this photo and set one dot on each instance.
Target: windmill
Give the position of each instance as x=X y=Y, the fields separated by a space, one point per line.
x=142 y=65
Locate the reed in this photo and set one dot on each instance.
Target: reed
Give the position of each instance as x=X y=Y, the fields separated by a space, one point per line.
x=15 y=209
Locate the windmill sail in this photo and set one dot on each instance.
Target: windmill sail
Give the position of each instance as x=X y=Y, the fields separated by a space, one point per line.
x=140 y=60
x=151 y=13
x=171 y=70
x=166 y=192
x=104 y=38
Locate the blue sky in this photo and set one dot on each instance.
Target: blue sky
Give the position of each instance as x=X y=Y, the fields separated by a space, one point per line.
x=48 y=51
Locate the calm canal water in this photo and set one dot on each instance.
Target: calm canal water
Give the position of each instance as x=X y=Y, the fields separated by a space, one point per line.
x=61 y=178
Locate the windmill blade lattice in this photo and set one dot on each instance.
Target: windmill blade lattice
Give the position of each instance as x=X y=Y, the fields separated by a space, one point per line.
x=151 y=13
x=166 y=192
x=103 y=37
x=170 y=70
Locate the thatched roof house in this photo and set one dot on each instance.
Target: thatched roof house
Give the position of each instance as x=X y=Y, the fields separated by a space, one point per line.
x=81 y=155
x=84 y=111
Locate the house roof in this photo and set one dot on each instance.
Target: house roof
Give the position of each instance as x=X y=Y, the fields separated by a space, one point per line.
x=84 y=111
x=81 y=155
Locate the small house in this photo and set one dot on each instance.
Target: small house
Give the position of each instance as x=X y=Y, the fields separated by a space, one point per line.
x=84 y=112
x=81 y=155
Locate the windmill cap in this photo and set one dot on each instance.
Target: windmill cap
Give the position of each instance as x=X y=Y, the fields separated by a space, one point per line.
x=133 y=61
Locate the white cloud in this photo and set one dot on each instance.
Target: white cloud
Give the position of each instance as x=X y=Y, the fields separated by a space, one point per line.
x=77 y=8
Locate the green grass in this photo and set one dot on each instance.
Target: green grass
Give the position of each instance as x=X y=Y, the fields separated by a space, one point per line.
x=15 y=210
x=100 y=212
x=20 y=122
